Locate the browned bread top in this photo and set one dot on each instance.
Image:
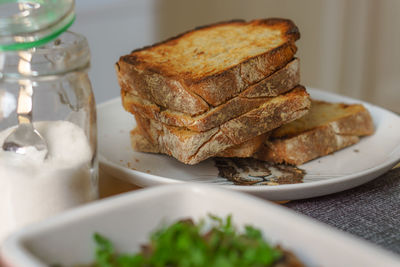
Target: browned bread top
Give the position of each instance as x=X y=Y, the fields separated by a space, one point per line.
x=211 y=49
x=211 y=63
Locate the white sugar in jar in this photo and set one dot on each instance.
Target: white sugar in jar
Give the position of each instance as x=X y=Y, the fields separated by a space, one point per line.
x=44 y=77
x=34 y=187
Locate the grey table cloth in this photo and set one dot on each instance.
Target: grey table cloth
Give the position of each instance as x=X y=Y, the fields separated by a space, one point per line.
x=370 y=211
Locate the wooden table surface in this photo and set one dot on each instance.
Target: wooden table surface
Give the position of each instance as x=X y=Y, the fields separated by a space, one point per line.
x=109 y=185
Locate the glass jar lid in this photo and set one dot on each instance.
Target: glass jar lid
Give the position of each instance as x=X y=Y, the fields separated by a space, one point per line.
x=30 y=23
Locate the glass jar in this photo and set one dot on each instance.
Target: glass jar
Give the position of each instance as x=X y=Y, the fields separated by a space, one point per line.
x=43 y=73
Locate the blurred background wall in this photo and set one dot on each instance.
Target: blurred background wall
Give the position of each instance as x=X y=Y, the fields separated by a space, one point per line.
x=351 y=47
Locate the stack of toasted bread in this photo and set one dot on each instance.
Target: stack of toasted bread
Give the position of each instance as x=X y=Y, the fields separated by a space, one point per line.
x=219 y=90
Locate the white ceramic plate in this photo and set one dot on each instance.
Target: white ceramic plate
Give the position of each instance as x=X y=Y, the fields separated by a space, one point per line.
x=128 y=219
x=344 y=169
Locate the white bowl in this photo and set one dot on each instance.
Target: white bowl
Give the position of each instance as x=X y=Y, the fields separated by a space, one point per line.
x=128 y=219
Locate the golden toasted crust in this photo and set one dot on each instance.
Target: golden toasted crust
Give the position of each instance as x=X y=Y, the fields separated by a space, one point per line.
x=327 y=128
x=279 y=82
x=209 y=65
x=192 y=147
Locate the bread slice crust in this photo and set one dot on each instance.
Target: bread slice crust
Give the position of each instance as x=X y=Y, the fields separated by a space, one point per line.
x=277 y=83
x=209 y=65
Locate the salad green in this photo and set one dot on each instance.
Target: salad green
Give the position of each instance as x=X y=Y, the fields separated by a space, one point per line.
x=185 y=243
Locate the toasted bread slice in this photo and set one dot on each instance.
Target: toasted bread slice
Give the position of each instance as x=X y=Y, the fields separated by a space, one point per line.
x=209 y=65
x=277 y=83
x=192 y=147
x=326 y=128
